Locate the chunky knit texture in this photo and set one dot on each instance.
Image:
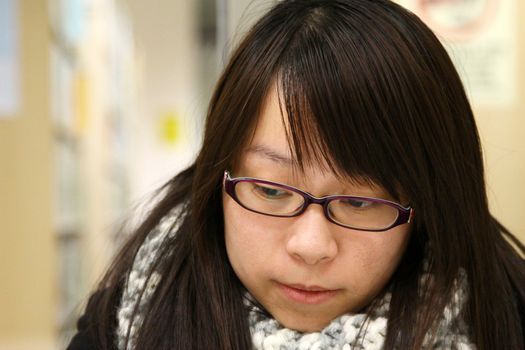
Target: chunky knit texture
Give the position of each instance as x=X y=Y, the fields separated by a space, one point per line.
x=349 y=331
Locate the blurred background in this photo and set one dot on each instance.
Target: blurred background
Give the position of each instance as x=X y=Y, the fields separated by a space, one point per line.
x=101 y=101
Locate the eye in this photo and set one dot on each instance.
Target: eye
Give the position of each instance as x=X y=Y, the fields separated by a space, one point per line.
x=270 y=192
x=357 y=203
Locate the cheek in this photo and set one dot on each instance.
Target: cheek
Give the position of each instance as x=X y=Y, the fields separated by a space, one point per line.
x=375 y=258
x=248 y=241
x=234 y=236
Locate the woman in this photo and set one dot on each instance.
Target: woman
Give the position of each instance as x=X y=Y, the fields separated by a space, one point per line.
x=338 y=202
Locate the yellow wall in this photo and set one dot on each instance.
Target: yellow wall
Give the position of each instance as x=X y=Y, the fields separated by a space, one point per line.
x=503 y=136
x=27 y=252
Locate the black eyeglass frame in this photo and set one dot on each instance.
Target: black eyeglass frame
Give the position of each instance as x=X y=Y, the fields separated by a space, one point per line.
x=405 y=214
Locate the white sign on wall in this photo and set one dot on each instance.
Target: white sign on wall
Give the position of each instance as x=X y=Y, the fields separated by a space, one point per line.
x=481 y=37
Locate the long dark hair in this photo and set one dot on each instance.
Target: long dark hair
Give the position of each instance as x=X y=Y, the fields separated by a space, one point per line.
x=369 y=89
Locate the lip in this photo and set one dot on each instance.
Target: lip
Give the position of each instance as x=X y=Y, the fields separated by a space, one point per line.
x=310 y=295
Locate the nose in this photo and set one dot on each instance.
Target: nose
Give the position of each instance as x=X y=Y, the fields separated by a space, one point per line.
x=312 y=238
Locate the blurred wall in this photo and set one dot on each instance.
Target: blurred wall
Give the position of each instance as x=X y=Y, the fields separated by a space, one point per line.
x=27 y=251
x=76 y=95
x=168 y=46
x=502 y=133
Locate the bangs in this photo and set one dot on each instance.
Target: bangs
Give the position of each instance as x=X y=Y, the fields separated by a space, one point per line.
x=343 y=102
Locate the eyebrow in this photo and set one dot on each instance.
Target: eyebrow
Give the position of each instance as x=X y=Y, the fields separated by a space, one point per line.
x=270 y=154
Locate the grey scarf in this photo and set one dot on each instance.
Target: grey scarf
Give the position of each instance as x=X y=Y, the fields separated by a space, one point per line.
x=349 y=331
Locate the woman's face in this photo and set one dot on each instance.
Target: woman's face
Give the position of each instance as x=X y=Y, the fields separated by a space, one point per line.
x=304 y=270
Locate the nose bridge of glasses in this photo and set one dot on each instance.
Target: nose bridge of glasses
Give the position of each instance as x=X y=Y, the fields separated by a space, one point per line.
x=311 y=199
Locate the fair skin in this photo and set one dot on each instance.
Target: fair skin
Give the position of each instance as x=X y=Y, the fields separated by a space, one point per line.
x=305 y=270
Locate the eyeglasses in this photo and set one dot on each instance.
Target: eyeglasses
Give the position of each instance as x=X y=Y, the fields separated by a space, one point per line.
x=279 y=200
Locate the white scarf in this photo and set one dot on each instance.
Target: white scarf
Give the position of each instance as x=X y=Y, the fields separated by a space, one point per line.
x=349 y=331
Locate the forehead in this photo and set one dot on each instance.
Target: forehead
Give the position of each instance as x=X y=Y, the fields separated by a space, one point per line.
x=270 y=145
x=271 y=125
x=275 y=140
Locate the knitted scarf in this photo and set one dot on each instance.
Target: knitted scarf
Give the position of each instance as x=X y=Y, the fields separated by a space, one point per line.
x=349 y=331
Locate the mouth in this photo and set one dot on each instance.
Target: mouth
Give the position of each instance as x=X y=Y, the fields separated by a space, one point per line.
x=310 y=295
